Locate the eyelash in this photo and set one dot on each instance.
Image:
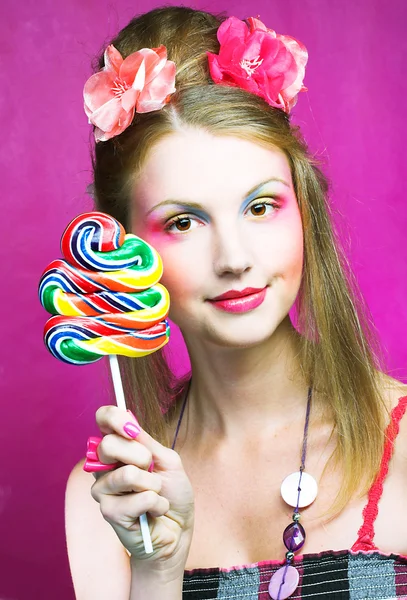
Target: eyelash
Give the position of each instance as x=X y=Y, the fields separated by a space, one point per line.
x=177 y=219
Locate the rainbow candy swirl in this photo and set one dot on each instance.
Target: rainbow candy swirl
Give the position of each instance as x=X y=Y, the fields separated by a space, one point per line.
x=107 y=292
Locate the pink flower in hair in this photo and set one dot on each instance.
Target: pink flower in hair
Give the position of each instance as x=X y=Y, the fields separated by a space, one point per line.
x=142 y=82
x=259 y=60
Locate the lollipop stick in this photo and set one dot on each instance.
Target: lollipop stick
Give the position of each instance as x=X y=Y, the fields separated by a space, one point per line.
x=121 y=403
x=117 y=381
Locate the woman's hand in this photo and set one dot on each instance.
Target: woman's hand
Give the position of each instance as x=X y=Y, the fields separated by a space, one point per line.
x=131 y=490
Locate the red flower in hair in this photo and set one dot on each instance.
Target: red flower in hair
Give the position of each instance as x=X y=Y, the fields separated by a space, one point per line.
x=259 y=60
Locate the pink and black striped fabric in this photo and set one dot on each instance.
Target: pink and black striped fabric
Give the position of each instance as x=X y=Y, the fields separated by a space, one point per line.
x=341 y=575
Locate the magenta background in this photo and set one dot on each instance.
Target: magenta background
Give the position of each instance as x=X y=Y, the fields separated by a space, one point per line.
x=354 y=119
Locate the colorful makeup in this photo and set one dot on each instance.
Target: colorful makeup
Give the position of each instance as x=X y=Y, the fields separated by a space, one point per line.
x=192 y=208
x=255 y=196
x=240 y=302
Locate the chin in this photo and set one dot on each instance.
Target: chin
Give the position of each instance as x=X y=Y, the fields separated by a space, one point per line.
x=242 y=337
x=240 y=331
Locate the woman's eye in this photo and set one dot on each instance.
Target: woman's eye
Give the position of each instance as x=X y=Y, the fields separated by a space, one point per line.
x=181 y=224
x=260 y=209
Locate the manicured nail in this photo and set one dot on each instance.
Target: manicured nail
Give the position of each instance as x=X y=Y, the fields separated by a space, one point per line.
x=151 y=467
x=131 y=429
x=93 y=466
x=91 y=450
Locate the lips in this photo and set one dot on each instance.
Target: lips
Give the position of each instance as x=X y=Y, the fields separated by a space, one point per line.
x=232 y=294
x=239 y=301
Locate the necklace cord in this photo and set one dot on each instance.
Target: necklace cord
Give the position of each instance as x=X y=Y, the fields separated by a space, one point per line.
x=302 y=468
x=181 y=414
x=304 y=446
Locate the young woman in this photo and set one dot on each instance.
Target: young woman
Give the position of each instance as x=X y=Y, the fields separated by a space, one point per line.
x=209 y=170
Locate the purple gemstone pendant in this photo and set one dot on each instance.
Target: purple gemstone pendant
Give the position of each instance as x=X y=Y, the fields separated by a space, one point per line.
x=294 y=537
x=279 y=590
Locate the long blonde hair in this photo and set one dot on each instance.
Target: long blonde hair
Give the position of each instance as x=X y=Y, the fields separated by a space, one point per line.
x=339 y=352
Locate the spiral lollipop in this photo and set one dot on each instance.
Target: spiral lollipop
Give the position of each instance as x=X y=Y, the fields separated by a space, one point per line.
x=106 y=300
x=106 y=292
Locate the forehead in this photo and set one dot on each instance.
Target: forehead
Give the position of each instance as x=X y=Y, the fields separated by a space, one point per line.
x=196 y=165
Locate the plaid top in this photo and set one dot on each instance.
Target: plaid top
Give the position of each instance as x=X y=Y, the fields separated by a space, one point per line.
x=342 y=575
x=363 y=572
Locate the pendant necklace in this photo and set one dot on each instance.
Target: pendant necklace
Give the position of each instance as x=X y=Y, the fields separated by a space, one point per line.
x=298 y=490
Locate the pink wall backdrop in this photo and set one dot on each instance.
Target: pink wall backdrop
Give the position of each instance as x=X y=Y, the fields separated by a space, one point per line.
x=354 y=119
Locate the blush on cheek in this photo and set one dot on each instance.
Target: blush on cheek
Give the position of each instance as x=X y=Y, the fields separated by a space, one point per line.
x=150 y=231
x=290 y=254
x=154 y=235
x=296 y=237
x=297 y=255
x=294 y=270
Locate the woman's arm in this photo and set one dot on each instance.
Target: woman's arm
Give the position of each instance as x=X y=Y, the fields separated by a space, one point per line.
x=155 y=585
x=100 y=565
x=102 y=516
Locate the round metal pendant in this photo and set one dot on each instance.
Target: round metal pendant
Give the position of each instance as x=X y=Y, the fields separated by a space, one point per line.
x=308 y=492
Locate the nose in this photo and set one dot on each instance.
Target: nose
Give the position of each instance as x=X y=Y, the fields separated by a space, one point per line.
x=232 y=255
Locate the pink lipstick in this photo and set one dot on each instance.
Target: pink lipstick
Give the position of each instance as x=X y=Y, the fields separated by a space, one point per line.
x=235 y=301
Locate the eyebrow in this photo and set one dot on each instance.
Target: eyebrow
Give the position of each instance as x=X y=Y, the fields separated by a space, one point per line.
x=252 y=192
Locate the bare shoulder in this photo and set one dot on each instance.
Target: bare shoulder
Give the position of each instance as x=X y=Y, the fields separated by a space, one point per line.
x=393 y=390
x=98 y=561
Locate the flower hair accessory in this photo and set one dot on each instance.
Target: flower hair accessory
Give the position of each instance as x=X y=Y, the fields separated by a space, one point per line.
x=251 y=57
x=142 y=82
x=259 y=60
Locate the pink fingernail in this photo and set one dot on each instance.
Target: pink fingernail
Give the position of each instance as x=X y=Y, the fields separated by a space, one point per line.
x=93 y=466
x=131 y=429
x=92 y=445
x=151 y=467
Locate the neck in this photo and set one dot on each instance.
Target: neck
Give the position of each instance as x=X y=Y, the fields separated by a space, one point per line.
x=236 y=390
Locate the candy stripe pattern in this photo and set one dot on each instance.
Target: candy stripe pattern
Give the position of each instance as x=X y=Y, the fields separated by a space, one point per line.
x=106 y=294
x=98 y=244
x=84 y=340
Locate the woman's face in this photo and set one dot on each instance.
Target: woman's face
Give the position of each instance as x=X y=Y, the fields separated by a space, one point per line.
x=223 y=215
